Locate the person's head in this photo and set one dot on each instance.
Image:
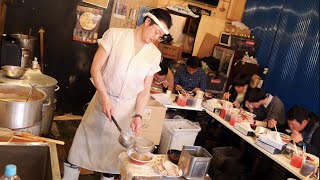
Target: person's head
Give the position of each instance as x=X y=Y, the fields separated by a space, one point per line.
x=161 y=75
x=157 y=22
x=241 y=82
x=298 y=118
x=256 y=97
x=193 y=63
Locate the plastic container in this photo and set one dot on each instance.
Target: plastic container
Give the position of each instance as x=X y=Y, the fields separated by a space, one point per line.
x=176 y=133
x=307 y=168
x=10 y=173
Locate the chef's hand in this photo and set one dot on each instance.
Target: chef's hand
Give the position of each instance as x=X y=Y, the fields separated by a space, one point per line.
x=178 y=87
x=296 y=136
x=196 y=89
x=236 y=104
x=107 y=109
x=272 y=123
x=226 y=96
x=136 y=124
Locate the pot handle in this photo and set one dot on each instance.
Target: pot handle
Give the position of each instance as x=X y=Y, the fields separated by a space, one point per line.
x=46 y=103
x=57 y=88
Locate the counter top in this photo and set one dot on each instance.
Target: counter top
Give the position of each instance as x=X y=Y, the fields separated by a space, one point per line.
x=278 y=158
x=162 y=178
x=168 y=102
x=132 y=171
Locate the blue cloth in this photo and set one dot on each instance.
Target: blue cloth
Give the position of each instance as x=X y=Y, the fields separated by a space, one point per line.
x=188 y=81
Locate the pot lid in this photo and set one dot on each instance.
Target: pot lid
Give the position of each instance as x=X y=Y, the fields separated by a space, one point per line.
x=34 y=77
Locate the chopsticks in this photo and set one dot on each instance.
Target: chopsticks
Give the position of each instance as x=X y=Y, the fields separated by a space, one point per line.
x=33 y=138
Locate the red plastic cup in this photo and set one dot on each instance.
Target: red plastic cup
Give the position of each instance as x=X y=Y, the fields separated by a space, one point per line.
x=182 y=100
x=223 y=113
x=296 y=161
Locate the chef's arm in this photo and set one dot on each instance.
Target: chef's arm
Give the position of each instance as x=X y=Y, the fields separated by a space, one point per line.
x=144 y=96
x=96 y=72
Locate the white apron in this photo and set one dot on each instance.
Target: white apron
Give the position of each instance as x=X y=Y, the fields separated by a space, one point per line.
x=95 y=145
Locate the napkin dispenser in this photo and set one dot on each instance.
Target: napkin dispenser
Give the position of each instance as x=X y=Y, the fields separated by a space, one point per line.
x=244 y=128
x=268 y=148
x=270 y=140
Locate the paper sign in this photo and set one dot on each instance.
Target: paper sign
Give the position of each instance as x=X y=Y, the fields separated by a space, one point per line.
x=121 y=9
x=87 y=24
x=146 y=114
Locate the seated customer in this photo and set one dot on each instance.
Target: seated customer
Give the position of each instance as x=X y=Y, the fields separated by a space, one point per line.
x=238 y=90
x=163 y=79
x=272 y=107
x=190 y=78
x=305 y=127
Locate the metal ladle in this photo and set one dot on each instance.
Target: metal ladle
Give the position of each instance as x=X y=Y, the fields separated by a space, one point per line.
x=30 y=92
x=125 y=139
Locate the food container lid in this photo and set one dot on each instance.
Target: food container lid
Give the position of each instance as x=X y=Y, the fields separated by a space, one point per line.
x=33 y=77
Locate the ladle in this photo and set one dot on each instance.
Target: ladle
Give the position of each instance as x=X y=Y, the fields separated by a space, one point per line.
x=125 y=139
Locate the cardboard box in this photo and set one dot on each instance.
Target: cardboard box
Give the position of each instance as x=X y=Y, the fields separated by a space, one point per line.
x=171 y=51
x=272 y=142
x=235 y=30
x=154 y=137
x=152 y=121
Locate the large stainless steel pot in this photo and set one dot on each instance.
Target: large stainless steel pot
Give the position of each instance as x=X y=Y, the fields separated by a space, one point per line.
x=16 y=112
x=27 y=42
x=43 y=82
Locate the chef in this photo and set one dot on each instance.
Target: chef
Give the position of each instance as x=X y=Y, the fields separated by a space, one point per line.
x=122 y=71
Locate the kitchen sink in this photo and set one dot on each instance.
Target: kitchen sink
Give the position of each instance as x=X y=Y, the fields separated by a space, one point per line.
x=34 y=161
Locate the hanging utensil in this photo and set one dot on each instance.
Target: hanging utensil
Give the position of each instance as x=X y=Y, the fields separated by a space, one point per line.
x=41 y=32
x=30 y=92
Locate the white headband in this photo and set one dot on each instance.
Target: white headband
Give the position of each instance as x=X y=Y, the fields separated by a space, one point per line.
x=156 y=20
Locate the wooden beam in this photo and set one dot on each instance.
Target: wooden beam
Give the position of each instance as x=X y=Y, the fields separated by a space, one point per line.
x=67 y=117
x=3 y=10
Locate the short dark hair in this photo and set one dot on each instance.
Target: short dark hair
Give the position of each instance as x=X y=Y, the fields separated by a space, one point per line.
x=241 y=80
x=256 y=95
x=298 y=113
x=162 y=15
x=164 y=69
x=193 y=62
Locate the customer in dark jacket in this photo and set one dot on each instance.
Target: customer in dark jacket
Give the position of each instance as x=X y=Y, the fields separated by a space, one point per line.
x=273 y=108
x=238 y=90
x=305 y=127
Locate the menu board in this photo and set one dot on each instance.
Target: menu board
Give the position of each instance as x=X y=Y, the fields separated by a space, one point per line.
x=87 y=24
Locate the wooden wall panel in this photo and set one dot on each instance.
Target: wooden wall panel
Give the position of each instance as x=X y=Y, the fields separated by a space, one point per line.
x=126 y=23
